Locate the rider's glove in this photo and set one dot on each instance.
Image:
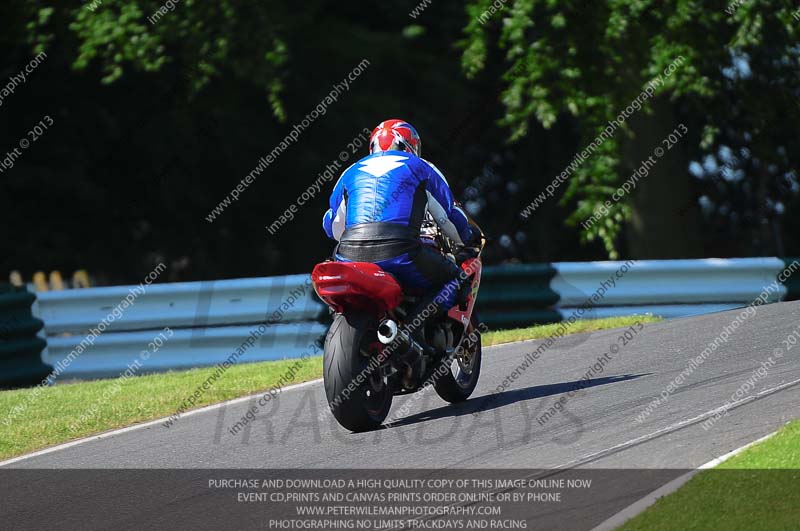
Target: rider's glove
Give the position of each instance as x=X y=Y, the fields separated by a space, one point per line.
x=472 y=247
x=465 y=253
x=474 y=239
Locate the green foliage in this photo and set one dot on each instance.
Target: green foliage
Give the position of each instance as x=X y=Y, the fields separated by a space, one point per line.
x=203 y=40
x=166 y=118
x=590 y=60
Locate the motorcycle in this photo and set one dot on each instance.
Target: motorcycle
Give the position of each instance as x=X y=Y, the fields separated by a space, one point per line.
x=371 y=354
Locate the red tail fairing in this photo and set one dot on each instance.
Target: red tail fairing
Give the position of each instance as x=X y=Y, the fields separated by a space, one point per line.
x=360 y=286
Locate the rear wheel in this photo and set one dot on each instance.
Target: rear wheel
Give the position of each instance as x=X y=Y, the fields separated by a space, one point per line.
x=459 y=376
x=358 y=394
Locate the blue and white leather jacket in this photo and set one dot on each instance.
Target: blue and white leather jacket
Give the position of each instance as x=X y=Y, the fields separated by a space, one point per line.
x=393 y=188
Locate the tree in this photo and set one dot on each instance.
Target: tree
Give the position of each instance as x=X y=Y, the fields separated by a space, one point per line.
x=210 y=38
x=157 y=119
x=683 y=62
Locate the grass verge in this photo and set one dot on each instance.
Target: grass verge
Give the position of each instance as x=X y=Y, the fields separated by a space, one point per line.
x=72 y=410
x=116 y=403
x=544 y=331
x=757 y=489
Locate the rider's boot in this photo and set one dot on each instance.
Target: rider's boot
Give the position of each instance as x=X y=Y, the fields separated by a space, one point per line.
x=429 y=310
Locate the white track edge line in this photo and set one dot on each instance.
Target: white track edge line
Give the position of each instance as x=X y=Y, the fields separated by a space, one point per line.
x=146 y=424
x=641 y=505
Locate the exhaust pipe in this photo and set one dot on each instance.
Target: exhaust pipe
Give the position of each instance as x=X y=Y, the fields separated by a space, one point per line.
x=388 y=332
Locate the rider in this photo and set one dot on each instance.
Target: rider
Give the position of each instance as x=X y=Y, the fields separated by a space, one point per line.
x=377 y=208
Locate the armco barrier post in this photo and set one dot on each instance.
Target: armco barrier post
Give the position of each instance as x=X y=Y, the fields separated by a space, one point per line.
x=20 y=347
x=793 y=282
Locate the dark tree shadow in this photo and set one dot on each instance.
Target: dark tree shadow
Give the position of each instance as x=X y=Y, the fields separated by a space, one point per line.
x=489 y=402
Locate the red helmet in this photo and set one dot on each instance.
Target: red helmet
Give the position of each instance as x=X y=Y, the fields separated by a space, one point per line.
x=395 y=135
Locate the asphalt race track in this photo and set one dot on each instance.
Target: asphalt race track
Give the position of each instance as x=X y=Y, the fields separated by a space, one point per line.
x=593 y=436
x=597 y=427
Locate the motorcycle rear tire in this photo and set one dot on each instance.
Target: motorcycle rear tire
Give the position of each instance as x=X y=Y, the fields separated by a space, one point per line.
x=356 y=406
